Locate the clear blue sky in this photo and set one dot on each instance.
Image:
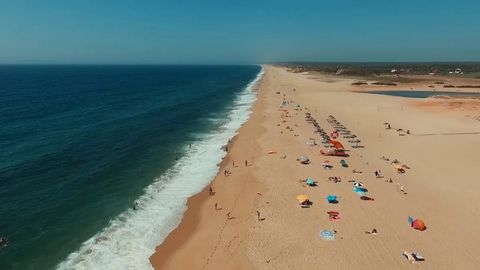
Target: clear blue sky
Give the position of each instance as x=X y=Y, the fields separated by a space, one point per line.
x=243 y=31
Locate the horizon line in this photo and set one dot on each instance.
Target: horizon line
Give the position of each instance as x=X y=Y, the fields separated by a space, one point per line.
x=242 y=64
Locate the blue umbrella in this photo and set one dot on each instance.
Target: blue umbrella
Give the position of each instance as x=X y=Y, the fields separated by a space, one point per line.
x=310 y=182
x=332 y=198
x=327 y=235
x=410 y=220
x=360 y=189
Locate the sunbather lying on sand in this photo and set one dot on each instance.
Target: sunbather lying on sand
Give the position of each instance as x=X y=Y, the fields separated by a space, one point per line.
x=334 y=179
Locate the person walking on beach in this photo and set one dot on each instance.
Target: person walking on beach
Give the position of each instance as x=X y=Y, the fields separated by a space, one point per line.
x=225 y=172
x=216 y=206
x=258 y=215
x=210 y=190
x=246 y=163
x=228 y=215
x=233 y=163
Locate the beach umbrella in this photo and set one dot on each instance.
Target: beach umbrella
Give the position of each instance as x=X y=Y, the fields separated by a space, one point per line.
x=419 y=225
x=334 y=134
x=310 y=182
x=303 y=158
x=359 y=189
x=327 y=235
x=410 y=220
x=326 y=163
x=302 y=198
x=332 y=198
x=333 y=212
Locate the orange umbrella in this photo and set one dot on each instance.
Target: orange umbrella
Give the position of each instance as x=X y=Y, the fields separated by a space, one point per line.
x=419 y=225
x=302 y=198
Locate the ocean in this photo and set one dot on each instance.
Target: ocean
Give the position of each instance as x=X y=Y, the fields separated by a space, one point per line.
x=79 y=145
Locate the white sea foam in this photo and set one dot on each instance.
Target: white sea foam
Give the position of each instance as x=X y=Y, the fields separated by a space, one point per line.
x=131 y=238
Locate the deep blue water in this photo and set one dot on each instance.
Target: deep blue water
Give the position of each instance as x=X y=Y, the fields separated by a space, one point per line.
x=78 y=145
x=424 y=94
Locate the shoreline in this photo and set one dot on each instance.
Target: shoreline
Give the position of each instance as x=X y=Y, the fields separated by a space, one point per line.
x=190 y=220
x=286 y=236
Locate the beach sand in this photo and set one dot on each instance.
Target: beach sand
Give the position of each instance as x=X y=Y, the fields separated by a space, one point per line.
x=441 y=186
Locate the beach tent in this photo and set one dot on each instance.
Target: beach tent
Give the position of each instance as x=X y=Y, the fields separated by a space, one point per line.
x=418 y=224
x=332 y=199
x=336 y=144
x=310 y=182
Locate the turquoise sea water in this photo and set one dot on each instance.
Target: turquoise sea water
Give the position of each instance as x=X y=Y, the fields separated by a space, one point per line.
x=80 y=144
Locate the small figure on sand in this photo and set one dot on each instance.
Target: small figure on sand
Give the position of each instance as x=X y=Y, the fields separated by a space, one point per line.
x=246 y=163
x=373 y=231
x=229 y=215
x=210 y=191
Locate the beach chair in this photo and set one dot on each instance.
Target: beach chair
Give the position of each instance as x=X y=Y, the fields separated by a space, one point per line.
x=413 y=257
x=418 y=257
x=408 y=256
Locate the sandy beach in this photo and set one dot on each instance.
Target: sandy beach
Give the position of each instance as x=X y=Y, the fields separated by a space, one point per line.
x=254 y=221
